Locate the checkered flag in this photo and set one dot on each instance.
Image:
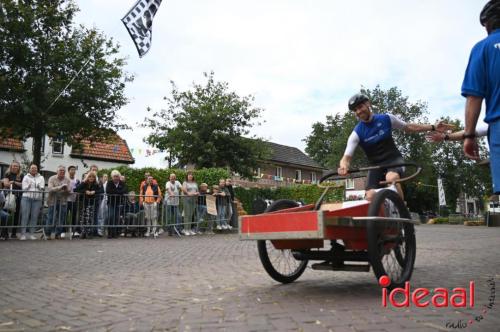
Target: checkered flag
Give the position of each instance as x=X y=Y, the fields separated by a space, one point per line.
x=139 y=21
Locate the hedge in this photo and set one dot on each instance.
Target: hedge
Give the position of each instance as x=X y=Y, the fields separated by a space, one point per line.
x=134 y=176
x=306 y=193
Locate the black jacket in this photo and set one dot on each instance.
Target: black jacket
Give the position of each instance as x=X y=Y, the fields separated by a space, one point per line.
x=83 y=187
x=116 y=194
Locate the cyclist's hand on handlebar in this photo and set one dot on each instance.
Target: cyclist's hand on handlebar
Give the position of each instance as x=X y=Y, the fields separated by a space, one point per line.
x=342 y=170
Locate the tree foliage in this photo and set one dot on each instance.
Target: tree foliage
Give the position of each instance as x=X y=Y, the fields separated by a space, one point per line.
x=40 y=54
x=206 y=126
x=327 y=141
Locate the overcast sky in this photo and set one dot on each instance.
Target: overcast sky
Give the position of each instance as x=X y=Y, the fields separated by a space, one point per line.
x=302 y=60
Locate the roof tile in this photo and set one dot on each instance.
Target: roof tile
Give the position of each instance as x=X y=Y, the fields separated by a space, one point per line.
x=291 y=155
x=13 y=144
x=115 y=149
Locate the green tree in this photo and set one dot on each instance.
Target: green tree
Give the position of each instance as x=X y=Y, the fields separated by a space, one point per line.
x=205 y=126
x=459 y=174
x=40 y=54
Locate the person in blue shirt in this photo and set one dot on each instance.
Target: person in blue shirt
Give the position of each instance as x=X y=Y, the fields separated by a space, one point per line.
x=374 y=134
x=482 y=81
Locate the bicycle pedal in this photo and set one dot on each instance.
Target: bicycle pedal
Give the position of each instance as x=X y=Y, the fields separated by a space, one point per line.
x=326 y=266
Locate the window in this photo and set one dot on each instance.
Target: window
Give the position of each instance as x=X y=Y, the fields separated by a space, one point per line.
x=279 y=171
x=349 y=183
x=3 y=170
x=256 y=172
x=313 y=177
x=298 y=175
x=57 y=146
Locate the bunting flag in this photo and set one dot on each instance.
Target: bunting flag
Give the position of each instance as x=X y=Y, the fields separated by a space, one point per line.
x=139 y=22
x=147 y=152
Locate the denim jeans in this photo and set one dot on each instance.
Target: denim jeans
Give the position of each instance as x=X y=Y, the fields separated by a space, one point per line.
x=114 y=220
x=221 y=215
x=30 y=209
x=4 y=216
x=73 y=212
x=56 y=218
x=173 y=217
x=203 y=216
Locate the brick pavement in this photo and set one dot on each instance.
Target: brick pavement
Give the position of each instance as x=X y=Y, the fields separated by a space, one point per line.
x=217 y=283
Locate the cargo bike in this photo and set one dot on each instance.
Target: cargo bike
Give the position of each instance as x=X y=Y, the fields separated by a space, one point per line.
x=346 y=236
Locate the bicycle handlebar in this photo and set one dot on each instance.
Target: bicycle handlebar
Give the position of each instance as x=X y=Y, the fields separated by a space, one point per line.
x=368 y=168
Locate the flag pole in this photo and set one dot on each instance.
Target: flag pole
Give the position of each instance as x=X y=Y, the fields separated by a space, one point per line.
x=67 y=85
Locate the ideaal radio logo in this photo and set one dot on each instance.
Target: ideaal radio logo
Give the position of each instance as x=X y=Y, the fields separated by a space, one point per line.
x=459 y=297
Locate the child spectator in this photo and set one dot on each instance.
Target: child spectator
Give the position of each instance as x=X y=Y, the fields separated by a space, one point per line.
x=132 y=210
x=202 y=210
x=223 y=205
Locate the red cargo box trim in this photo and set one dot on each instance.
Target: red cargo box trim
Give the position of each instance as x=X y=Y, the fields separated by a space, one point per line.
x=280 y=222
x=282 y=226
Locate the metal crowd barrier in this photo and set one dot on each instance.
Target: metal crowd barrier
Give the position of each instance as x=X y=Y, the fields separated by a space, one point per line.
x=85 y=216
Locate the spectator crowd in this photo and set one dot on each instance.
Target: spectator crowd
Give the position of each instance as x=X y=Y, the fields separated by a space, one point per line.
x=95 y=207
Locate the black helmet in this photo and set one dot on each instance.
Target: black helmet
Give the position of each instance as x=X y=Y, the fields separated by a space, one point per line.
x=356 y=100
x=490 y=12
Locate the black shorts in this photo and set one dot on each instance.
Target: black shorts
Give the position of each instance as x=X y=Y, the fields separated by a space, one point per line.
x=377 y=175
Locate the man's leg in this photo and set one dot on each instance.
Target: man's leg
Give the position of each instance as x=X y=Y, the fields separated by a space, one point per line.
x=394 y=176
x=373 y=182
x=36 y=206
x=49 y=222
x=25 y=213
x=17 y=217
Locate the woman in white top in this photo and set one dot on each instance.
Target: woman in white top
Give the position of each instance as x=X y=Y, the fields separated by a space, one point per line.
x=31 y=202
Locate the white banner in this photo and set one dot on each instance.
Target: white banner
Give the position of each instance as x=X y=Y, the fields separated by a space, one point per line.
x=211 y=205
x=442 y=198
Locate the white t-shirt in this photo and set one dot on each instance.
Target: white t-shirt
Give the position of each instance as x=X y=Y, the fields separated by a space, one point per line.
x=481 y=129
x=176 y=189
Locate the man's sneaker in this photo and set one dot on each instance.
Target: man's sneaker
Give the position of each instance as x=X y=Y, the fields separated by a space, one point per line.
x=76 y=234
x=32 y=237
x=147 y=234
x=22 y=238
x=160 y=231
x=156 y=235
x=219 y=228
x=229 y=227
x=224 y=226
x=63 y=235
x=122 y=234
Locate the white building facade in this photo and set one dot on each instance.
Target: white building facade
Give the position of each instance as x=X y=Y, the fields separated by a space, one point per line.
x=56 y=152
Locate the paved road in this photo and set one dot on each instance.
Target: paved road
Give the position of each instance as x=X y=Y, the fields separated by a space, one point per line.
x=217 y=283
